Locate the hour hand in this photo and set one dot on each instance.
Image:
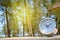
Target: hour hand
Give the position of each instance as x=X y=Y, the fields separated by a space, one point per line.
x=47 y=25
x=50 y=24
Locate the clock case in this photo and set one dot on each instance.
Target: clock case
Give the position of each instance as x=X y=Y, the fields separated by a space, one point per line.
x=53 y=30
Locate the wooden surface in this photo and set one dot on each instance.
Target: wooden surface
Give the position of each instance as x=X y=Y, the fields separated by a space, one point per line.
x=32 y=38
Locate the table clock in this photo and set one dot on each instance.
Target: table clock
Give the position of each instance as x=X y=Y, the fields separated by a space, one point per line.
x=47 y=25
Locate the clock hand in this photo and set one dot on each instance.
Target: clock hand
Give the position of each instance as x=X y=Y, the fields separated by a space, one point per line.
x=50 y=24
x=47 y=25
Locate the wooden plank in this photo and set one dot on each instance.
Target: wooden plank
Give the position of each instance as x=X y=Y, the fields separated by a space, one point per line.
x=32 y=38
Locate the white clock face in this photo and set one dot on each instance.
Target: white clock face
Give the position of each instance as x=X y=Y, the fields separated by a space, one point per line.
x=47 y=25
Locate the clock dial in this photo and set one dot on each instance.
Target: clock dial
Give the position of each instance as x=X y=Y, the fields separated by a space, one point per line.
x=47 y=25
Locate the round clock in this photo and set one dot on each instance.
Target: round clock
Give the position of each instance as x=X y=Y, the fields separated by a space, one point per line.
x=47 y=25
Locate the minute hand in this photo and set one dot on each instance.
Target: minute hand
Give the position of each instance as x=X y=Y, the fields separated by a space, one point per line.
x=50 y=24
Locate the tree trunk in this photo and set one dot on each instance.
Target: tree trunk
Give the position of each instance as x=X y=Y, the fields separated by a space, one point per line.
x=27 y=16
x=8 y=28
